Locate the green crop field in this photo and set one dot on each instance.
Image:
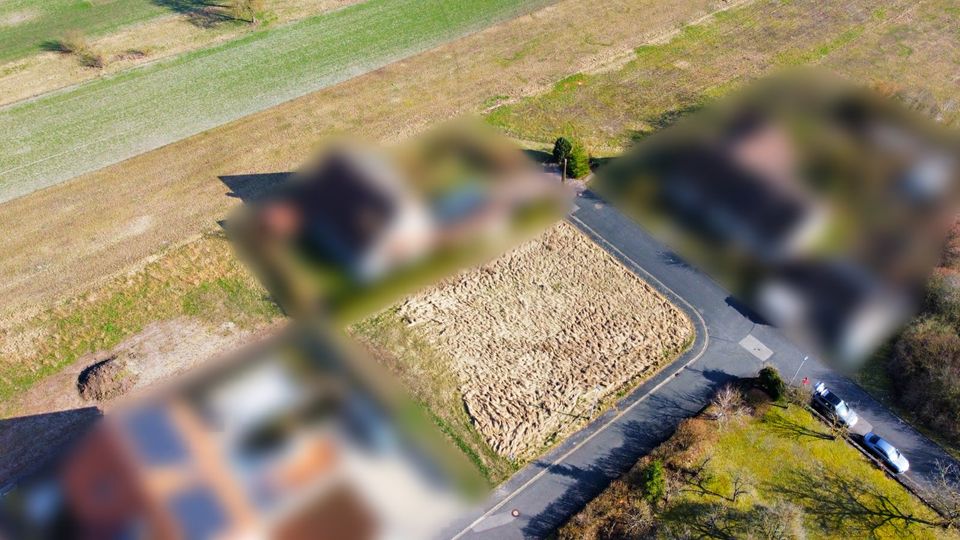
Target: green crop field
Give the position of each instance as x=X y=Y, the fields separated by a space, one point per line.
x=62 y=135
x=25 y=25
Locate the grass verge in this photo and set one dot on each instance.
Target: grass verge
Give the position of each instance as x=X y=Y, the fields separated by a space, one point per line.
x=201 y=279
x=863 y=39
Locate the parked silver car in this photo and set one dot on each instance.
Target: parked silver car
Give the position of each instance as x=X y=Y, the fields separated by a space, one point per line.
x=887 y=452
x=828 y=403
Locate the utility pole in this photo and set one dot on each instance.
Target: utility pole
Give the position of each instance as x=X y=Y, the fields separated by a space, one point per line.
x=798 y=369
x=563 y=172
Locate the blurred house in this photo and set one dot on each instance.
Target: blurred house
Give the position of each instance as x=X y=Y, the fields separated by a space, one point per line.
x=745 y=192
x=283 y=442
x=820 y=203
x=374 y=212
x=358 y=209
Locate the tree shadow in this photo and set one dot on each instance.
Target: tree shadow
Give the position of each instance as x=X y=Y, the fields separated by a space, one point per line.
x=199 y=12
x=674 y=259
x=708 y=519
x=539 y=156
x=845 y=503
x=746 y=311
x=638 y=439
x=54 y=45
x=785 y=427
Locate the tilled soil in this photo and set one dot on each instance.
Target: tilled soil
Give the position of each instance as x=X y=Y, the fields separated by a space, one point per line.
x=540 y=336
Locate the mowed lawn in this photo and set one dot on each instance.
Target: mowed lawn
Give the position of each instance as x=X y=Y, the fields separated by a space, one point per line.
x=910 y=47
x=26 y=25
x=62 y=135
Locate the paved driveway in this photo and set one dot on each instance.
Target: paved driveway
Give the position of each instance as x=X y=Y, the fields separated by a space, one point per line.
x=730 y=343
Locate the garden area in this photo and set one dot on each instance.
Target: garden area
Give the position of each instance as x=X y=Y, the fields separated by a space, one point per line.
x=750 y=467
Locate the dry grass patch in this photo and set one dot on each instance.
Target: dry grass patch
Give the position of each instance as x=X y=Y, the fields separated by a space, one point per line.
x=541 y=336
x=201 y=281
x=908 y=46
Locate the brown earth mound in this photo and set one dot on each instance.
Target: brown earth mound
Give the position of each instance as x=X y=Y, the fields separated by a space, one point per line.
x=106 y=379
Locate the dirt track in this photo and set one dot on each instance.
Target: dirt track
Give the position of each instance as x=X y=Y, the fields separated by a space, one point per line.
x=543 y=334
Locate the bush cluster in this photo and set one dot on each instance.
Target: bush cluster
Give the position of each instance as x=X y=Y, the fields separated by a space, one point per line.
x=74 y=42
x=769 y=379
x=924 y=366
x=576 y=156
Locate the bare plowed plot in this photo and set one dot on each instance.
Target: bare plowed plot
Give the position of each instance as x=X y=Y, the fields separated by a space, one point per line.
x=540 y=336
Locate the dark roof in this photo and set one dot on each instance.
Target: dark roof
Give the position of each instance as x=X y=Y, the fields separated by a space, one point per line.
x=344 y=209
x=706 y=184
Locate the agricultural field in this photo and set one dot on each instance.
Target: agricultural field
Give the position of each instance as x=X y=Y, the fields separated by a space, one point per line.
x=119 y=216
x=767 y=471
x=905 y=48
x=71 y=52
x=527 y=348
x=58 y=136
x=27 y=26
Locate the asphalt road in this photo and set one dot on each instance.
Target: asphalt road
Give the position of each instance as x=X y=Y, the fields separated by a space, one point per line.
x=551 y=489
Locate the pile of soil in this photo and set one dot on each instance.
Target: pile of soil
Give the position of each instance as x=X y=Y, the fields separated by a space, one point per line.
x=106 y=379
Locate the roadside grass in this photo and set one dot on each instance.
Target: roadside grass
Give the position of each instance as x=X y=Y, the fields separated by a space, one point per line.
x=58 y=136
x=793 y=477
x=424 y=372
x=863 y=39
x=27 y=26
x=785 y=458
x=201 y=279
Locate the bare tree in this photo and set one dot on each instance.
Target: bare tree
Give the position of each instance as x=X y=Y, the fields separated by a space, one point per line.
x=944 y=492
x=741 y=485
x=728 y=405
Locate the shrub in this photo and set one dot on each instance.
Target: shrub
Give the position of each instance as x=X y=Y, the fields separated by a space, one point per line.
x=91 y=59
x=561 y=150
x=73 y=42
x=728 y=404
x=951 y=250
x=578 y=164
x=942 y=297
x=926 y=374
x=770 y=380
x=246 y=10
x=688 y=445
x=653 y=481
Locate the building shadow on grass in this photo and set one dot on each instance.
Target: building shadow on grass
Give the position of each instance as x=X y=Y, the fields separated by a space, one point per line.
x=254 y=187
x=29 y=443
